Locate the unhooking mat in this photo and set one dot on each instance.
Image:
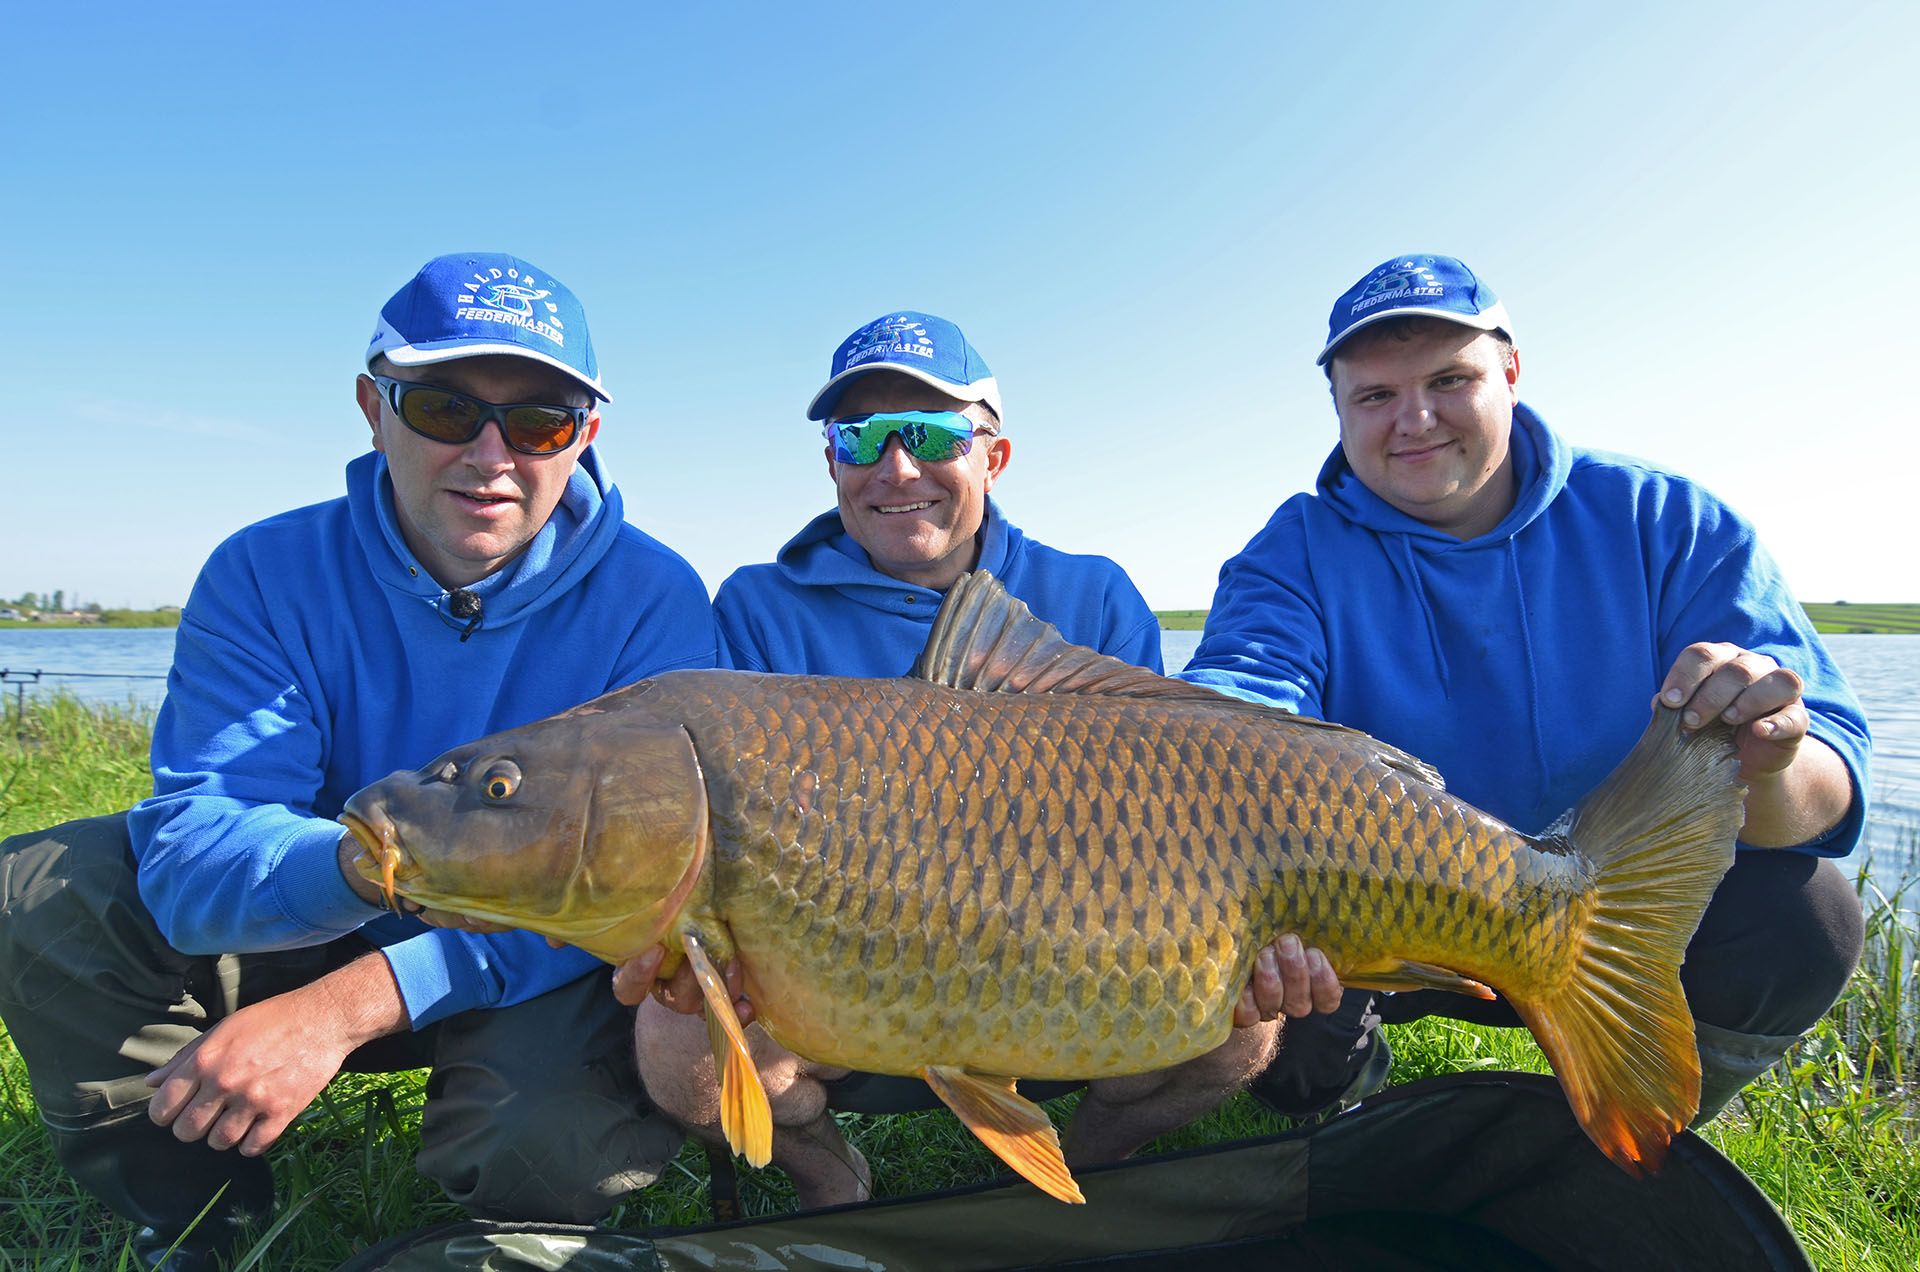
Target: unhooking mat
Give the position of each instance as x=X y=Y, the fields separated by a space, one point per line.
x=1477 y=1172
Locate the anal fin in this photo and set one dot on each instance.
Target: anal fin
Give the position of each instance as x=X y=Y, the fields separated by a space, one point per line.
x=1406 y=974
x=1014 y=1127
x=745 y=1117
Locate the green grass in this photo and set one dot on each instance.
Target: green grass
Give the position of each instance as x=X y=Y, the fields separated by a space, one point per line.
x=1829 y=1135
x=61 y=758
x=1828 y=616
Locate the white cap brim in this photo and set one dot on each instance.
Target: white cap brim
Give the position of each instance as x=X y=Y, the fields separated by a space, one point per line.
x=1492 y=318
x=420 y=355
x=987 y=390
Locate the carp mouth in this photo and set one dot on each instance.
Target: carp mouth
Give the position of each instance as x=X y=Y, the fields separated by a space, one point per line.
x=379 y=855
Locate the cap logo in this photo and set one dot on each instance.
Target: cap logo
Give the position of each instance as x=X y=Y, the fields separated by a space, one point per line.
x=1398 y=282
x=513 y=298
x=896 y=335
x=511 y=301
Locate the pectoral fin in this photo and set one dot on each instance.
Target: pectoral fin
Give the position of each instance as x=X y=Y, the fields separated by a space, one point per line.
x=1401 y=974
x=745 y=1117
x=1015 y=1128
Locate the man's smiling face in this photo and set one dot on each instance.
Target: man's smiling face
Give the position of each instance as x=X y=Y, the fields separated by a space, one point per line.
x=919 y=521
x=466 y=509
x=1425 y=422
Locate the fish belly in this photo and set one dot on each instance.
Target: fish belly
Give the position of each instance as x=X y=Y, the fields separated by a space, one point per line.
x=1075 y=886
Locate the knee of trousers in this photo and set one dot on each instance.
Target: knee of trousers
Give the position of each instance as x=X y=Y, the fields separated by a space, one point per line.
x=1729 y=1060
x=82 y=962
x=1319 y=1055
x=1776 y=947
x=536 y=1112
x=564 y=1153
x=61 y=891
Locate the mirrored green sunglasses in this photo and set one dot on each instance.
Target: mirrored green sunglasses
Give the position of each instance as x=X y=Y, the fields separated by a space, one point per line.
x=929 y=436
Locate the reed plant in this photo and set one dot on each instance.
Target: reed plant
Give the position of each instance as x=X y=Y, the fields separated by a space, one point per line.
x=1829 y=1134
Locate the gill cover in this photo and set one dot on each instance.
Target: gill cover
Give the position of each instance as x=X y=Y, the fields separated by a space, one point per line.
x=644 y=839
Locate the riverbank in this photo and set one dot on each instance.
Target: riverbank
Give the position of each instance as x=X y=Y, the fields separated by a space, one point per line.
x=1829 y=1135
x=105 y=618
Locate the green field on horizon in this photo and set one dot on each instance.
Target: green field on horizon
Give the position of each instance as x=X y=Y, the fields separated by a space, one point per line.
x=1901 y=618
x=1848 y=617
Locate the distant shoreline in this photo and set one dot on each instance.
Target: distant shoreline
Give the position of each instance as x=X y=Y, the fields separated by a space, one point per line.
x=118 y=620
x=1830 y=618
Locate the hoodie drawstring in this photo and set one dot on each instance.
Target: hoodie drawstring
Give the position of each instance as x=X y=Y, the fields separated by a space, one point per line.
x=1417 y=585
x=1534 y=712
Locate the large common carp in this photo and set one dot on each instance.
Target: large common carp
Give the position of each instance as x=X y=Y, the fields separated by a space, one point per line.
x=1026 y=858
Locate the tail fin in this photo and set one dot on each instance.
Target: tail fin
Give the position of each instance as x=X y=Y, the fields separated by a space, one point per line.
x=1659 y=834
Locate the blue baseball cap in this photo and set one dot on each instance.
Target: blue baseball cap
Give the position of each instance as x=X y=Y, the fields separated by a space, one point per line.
x=927 y=348
x=1436 y=286
x=475 y=303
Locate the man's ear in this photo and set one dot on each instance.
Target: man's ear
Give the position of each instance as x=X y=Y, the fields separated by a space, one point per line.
x=999 y=452
x=833 y=470
x=592 y=430
x=1513 y=374
x=367 y=393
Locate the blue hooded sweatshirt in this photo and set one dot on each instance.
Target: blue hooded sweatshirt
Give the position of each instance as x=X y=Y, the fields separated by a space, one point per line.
x=316 y=655
x=1523 y=663
x=822 y=609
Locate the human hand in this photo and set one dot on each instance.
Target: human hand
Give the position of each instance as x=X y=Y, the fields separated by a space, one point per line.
x=639 y=977
x=1290 y=979
x=242 y=1082
x=367 y=890
x=459 y=922
x=1749 y=691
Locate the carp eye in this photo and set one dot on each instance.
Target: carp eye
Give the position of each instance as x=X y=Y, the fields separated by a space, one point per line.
x=501 y=781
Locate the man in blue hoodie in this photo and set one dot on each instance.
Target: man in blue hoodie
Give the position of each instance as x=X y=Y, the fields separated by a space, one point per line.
x=184 y=980
x=1466 y=586
x=915 y=442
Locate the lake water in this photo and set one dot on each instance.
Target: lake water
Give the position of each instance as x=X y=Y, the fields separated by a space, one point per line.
x=106 y=665
x=95 y=664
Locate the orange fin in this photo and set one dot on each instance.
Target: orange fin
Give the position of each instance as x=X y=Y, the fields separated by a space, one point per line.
x=986 y=640
x=745 y=1117
x=1406 y=974
x=1659 y=833
x=1014 y=1127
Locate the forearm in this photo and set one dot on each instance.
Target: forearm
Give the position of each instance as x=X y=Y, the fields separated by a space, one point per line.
x=362 y=999
x=1801 y=801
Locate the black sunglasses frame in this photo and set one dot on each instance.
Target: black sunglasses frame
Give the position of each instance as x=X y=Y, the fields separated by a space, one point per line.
x=395 y=392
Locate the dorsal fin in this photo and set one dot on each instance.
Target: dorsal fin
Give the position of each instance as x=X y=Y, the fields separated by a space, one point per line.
x=985 y=639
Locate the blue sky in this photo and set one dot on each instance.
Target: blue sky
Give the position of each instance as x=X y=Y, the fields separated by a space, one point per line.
x=1700 y=217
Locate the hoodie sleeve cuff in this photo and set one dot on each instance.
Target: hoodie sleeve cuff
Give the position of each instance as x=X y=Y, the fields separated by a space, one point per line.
x=442 y=973
x=432 y=984
x=312 y=890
